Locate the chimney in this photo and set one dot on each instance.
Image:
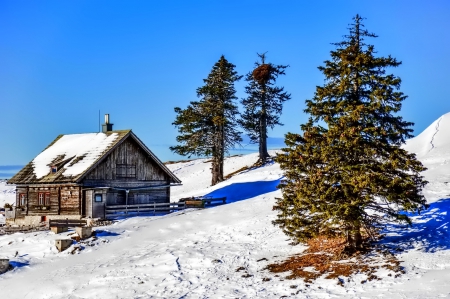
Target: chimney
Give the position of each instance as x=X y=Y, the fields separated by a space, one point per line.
x=107 y=127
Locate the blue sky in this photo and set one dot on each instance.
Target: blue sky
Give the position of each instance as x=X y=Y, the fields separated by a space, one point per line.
x=63 y=61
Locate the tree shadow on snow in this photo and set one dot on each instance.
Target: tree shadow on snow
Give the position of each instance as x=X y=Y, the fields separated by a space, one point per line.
x=429 y=232
x=105 y=233
x=240 y=191
x=18 y=264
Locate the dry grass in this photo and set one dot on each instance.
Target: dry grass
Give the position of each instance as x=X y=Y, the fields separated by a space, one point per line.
x=228 y=176
x=255 y=165
x=329 y=257
x=179 y=161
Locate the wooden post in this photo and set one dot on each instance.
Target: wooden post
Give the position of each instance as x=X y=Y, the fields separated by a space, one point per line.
x=59 y=200
x=28 y=200
x=126 y=201
x=79 y=200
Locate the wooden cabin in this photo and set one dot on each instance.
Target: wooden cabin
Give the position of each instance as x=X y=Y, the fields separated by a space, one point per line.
x=79 y=175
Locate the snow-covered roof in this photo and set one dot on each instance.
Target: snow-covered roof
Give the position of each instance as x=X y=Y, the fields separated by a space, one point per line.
x=69 y=157
x=79 y=151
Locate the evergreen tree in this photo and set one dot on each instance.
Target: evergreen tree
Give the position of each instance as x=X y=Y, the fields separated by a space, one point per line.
x=264 y=103
x=347 y=173
x=208 y=127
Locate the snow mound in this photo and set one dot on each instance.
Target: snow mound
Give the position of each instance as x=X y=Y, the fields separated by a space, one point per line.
x=435 y=138
x=432 y=148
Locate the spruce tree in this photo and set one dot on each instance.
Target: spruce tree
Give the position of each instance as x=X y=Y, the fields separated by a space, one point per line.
x=208 y=127
x=347 y=173
x=263 y=104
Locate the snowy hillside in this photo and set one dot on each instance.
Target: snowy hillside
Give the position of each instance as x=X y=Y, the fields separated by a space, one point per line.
x=432 y=147
x=7 y=193
x=222 y=252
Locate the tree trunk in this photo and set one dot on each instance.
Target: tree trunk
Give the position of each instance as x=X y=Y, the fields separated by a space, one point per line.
x=222 y=153
x=215 y=168
x=215 y=172
x=354 y=238
x=263 y=154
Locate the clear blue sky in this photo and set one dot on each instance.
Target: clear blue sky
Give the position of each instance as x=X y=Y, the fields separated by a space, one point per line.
x=63 y=61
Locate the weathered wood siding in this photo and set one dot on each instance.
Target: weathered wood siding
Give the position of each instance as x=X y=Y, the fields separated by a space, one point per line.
x=118 y=197
x=131 y=154
x=64 y=200
x=70 y=200
x=34 y=208
x=88 y=198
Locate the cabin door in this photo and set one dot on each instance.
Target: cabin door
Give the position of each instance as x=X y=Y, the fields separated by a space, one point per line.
x=86 y=203
x=83 y=204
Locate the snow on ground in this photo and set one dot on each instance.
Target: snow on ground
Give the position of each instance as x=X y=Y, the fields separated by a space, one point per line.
x=432 y=147
x=196 y=253
x=7 y=195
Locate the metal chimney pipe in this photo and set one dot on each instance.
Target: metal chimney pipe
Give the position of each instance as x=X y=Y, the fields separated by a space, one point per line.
x=107 y=127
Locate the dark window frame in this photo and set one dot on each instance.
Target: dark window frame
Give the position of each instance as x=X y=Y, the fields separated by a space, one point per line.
x=98 y=195
x=126 y=170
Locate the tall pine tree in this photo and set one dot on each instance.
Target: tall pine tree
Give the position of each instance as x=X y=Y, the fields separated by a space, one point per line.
x=208 y=127
x=263 y=104
x=347 y=173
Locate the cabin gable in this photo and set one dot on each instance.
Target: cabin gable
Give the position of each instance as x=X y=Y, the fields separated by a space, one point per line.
x=127 y=165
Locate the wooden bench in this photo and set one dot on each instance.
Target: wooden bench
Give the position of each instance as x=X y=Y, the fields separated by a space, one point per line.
x=61 y=225
x=66 y=222
x=209 y=200
x=201 y=201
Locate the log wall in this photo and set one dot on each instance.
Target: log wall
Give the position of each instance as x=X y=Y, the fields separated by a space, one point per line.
x=64 y=200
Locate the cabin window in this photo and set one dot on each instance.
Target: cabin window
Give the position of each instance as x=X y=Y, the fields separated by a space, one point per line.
x=44 y=199
x=22 y=199
x=98 y=198
x=125 y=170
x=54 y=169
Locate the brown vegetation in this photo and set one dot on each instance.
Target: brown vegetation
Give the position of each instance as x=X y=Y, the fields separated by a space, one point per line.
x=329 y=257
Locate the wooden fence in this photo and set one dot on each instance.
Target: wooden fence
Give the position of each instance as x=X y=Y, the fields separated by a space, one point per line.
x=144 y=208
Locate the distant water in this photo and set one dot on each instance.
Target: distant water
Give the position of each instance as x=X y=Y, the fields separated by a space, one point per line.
x=7 y=171
x=164 y=154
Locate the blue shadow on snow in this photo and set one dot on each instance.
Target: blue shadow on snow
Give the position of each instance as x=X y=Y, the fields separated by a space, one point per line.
x=18 y=264
x=429 y=232
x=105 y=233
x=240 y=191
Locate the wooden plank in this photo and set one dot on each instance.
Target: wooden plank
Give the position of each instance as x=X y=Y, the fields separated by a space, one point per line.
x=195 y=203
x=144 y=205
x=146 y=209
x=66 y=220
